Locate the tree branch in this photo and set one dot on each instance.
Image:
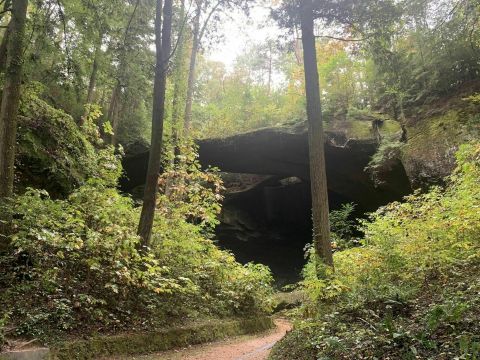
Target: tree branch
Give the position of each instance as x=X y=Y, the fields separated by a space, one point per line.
x=207 y=20
x=339 y=38
x=180 y=34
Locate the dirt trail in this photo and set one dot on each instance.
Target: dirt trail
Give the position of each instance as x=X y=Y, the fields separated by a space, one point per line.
x=253 y=347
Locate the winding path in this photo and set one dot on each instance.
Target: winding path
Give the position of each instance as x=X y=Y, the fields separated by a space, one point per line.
x=253 y=347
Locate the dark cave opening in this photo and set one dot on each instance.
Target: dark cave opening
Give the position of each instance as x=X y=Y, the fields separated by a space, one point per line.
x=270 y=223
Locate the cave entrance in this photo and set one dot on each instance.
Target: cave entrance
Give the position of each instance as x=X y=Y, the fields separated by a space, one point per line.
x=267 y=220
x=266 y=217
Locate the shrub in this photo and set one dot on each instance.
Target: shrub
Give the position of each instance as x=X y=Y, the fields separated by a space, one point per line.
x=384 y=159
x=74 y=267
x=343 y=227
x=411 y=289
x=3 y=323
x=426 y=236
x=429 y=235
x=53 y=153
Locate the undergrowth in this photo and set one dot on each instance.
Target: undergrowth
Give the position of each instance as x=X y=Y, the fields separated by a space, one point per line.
x=410 y=291
x=72 y=267
x=54 y=153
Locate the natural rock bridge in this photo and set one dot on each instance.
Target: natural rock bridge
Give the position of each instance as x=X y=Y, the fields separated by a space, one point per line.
x=266 y=214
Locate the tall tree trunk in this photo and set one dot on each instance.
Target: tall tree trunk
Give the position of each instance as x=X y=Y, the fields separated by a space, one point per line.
x=270 y=67
x=11 y=97
x=318 y=176
x=163 y=47
x=297 y=47
x=9 y=106
x=115 y=123
x=4 y=50
x=93 y=80
x=191 y=72
x=93 y=75
x=112 y=112
x=121 y=76
x=4 y=44
x=178 y=80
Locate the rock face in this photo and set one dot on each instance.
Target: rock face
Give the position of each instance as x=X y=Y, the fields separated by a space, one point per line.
x=283 y=152
x=52 y=152
x=434 y=134
x=266 y=217
x=266 y=213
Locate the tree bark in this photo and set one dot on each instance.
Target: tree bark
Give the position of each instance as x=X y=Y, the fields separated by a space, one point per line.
x=178 y=80
x=3 y=46
x=93 y=80
x=112 y=112
x=191 y=72
x=163 y=47
x=93 y=75
x=11 y=97
x=116 y=122
x=3 y=50
x=318 y=176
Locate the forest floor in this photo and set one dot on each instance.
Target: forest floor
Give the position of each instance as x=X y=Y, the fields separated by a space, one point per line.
x=251 y=347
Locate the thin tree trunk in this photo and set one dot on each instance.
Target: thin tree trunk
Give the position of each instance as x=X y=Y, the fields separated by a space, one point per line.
x=270 y=67
x=297 y=48
x=3 y=50
x=93 y=76
x=191 y=71
x=11 y=97
x=318 y=176
x=112 y=112
x=3 y=46
x=121 y=75
x=93 y=80
x=115 y=123
x=178 y=81
x=163 y=47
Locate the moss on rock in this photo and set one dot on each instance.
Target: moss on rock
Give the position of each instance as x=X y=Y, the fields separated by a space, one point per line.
x=432 y=141
x=52 y=153
x=364 y=126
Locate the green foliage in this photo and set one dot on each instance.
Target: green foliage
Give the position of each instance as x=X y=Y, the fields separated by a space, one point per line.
x=475 y=99
x=74 y=266
x=343 y=226
x=67 y=40
x=230 y=102
x=190 y=191
x=386 y=156
x=430 y=233
x=3 y=324
x=77 y=261
x=90 y=127
x=411 y=289
x=409 y=70
x=53 y=153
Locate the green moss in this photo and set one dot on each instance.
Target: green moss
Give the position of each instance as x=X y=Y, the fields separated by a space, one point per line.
x=144 y=343
x=360 y=130
x=360 y=125
x=52 y=153
x=432 y=142
x=435 y=130
x=390 y=128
